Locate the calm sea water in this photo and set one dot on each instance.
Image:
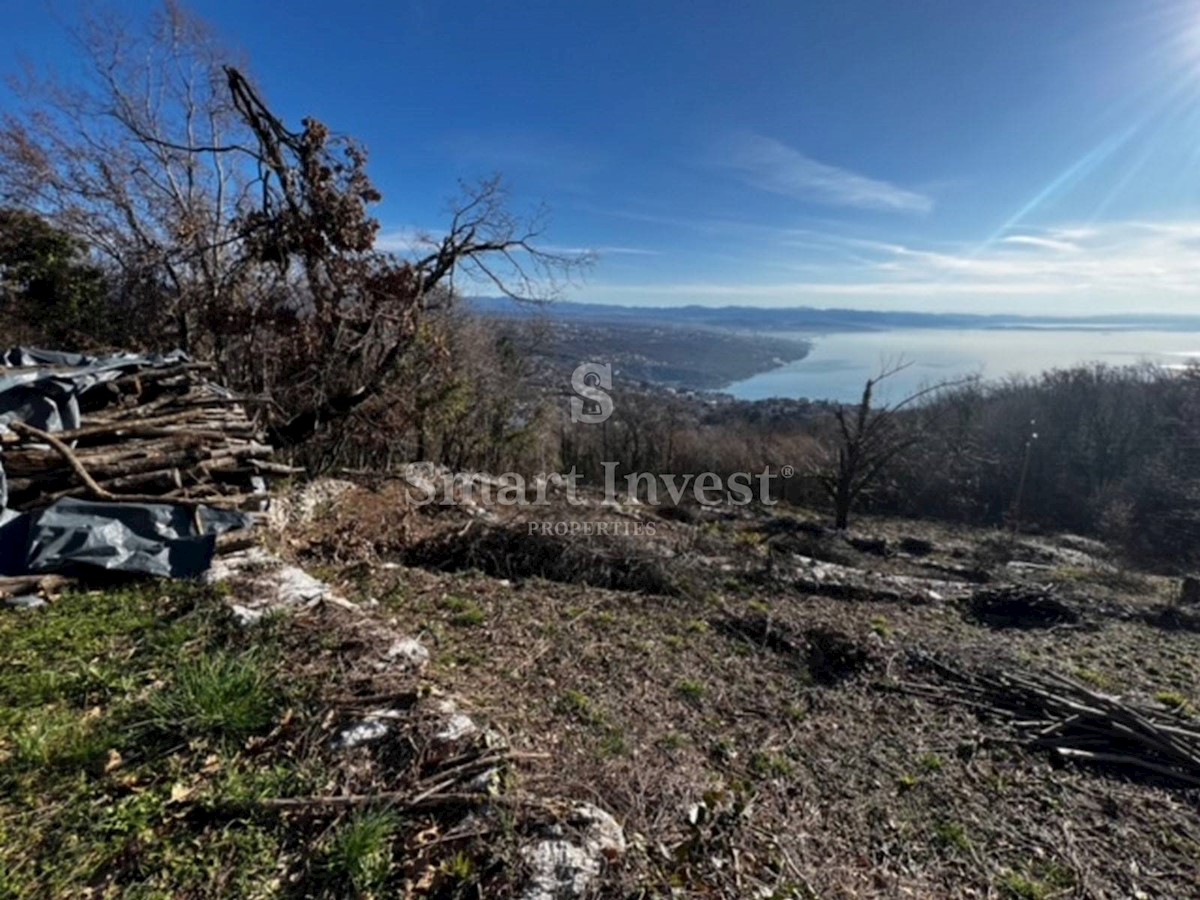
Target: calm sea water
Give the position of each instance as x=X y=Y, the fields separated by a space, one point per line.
x=840 y=363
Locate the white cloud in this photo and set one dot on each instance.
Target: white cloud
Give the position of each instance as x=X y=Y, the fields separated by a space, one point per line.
x=405 y=240
x=601 y=251
x=1041 y=243
x=769 y=165
x=409 y=240
x=1119 y=267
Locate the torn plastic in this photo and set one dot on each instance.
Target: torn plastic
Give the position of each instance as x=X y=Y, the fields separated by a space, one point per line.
x=48 y=398
x=72 y=536
x=153 y=538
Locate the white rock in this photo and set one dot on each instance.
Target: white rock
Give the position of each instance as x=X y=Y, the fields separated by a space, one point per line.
x=373 y=726
x=567 y=869
x=26 y=601
x=457 y=727
x=275 y=585
x=485 y=782
x=362 y=733
x=244 y=615
x=408 y=652
x=301 y=507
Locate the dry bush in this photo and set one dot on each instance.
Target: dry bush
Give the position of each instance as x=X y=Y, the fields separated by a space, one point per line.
x=511 y=551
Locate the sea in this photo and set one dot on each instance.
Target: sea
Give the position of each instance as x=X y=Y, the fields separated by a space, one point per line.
x=839 y=363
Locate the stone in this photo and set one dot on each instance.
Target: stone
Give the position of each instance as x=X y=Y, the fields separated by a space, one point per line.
x=568 y=868
x=916 y=546
x=457 y=727
x=374 y=726
x=274 y=584
x=26 y=601
x=408 y=653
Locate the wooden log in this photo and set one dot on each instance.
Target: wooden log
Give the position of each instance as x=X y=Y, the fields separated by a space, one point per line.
x=53 y=478
x=93 y=488
x=165 y=424
x=163 y=482
x=153 y=435
x=12 y=586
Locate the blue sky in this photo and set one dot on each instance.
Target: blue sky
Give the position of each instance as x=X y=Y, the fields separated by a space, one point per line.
x=992 y=155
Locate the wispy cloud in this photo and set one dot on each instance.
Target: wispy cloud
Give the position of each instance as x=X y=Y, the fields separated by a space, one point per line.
x=770 y=165
x=601 y=251
x=410 y=240
x=405 y=240
x=1117 y=267
x=1038 y=242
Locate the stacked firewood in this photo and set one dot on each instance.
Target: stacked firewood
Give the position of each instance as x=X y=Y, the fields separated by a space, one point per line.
x=154 y=434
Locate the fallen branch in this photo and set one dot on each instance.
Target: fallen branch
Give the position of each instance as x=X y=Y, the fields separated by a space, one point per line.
x=15 y=585
x=430 y=793
x=1076 y=723
x=90 y=483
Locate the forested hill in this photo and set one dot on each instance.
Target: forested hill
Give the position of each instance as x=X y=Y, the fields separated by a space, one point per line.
x=813 y=319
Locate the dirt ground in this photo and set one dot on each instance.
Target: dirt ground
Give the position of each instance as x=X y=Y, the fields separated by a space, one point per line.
x=738 y=690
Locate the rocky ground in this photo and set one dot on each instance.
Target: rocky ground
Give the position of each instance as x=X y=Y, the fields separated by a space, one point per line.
x=686 y=703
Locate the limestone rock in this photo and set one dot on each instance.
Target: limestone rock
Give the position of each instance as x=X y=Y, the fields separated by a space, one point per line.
x=567 y=866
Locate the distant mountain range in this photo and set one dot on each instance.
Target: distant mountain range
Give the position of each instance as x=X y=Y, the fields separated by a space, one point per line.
x=808 y=319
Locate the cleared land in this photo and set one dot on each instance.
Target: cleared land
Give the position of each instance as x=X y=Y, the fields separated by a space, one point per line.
x=767 y=708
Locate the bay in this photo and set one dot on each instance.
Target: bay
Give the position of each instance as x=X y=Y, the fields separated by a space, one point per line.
x=839 y=363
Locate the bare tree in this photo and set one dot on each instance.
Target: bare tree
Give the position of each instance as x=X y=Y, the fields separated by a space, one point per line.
x=240 y=238
x=124 y=159
x=363 y=307
x=867 y=439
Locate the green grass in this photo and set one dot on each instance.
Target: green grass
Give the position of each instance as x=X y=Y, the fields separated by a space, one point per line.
x=930 y=763
x=360 y=853
x=59 y=738
x=882 y=627
x=1048 y=880
x=218 y=694
x=953 y=836
x=120 y=711
x=692 y=691
x=580 y=706
x=771 y=765
x=1173 y=700
x=464 y=613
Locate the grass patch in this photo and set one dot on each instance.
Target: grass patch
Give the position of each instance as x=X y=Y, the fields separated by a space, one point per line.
x=99 y=695
x=771 y=765
x=930 y=763
x=58 y=738
x=464 y=613
x=1048 y=880
x=1173 y=700
x=360 y=852
x=952 y=835
x=882 y=627
x=692 y=691
x=580 y=706
x=220 y=695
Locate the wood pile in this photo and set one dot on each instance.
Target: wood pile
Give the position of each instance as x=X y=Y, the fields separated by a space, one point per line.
x=157 y=434
x=1075 y=722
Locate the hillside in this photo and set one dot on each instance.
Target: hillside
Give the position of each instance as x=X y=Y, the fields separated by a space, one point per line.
x=814 y=320
x=765 y=707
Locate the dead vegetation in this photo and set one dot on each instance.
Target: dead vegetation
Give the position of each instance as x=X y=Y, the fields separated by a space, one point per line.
x=751 y=735
x=512 y=552
x=1076 y=723
x=1021 y=606
x=156 y=432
